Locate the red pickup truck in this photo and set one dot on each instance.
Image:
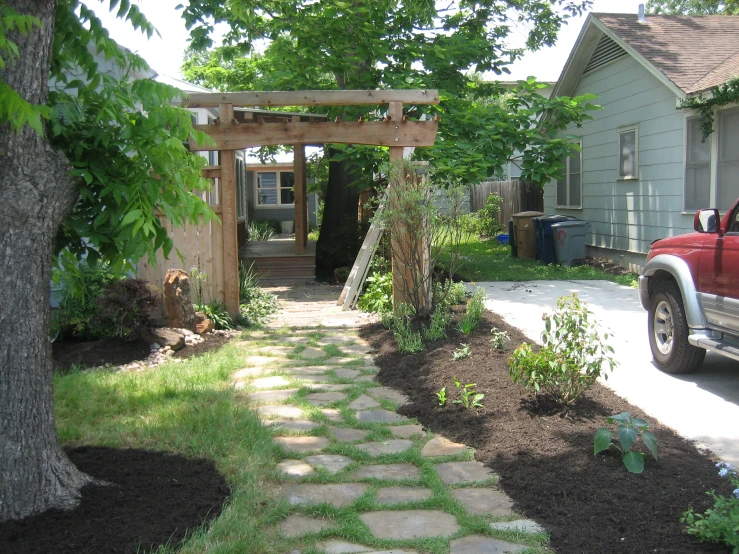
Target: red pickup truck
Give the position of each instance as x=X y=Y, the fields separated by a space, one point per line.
x=690 y=287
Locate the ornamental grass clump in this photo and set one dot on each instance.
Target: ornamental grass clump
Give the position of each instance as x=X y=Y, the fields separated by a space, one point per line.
x=720 y=523
x=574 y=354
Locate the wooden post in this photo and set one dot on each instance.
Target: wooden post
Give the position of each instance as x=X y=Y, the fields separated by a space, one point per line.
x=301 y=197
x=228 y=204
x=395 y=111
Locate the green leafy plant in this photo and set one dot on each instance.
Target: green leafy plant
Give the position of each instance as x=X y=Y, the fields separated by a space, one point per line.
x=573 y=356
x=468 y=396
x=378 y=294
x=473 y=315
x=720 y=523
x=125 y=308
x=408 y=340
x=499 y=338
x=441 y=396
x=438 y=323
x=217 y=313
x=255 y=305
x=462 y=353
x=486 y=221
x=628 y=431
x=387 y=319
x=260 y=231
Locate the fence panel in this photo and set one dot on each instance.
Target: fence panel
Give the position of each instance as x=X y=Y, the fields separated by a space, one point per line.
x=518 y=196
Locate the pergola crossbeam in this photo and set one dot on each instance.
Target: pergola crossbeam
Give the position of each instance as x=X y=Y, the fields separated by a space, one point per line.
x=310 y=98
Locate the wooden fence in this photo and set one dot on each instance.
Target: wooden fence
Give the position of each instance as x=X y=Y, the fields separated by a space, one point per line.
x=518 y=196
x=199 y=246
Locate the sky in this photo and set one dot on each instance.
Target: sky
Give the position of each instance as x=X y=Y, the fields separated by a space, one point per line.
x=165 y=54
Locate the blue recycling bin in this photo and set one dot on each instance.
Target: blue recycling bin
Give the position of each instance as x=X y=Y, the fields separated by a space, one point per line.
x=545 y=251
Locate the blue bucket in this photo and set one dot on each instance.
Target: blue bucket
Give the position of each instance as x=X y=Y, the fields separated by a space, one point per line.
x=503 y=239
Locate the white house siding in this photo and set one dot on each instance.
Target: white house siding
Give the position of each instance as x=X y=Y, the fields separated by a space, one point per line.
x=627 y=215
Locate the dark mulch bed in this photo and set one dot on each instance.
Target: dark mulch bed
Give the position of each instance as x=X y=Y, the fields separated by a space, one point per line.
x=115 y=352
x=589 y=504
x=154 y=498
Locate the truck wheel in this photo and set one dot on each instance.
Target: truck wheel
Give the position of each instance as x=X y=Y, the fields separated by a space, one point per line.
x=668 y=332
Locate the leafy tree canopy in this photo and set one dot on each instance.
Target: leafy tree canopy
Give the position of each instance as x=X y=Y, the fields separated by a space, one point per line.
x=422 y=44
x=120 y=132
x=694 y=7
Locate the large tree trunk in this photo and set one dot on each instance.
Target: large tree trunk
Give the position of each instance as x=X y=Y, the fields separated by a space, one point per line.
x=37 y=195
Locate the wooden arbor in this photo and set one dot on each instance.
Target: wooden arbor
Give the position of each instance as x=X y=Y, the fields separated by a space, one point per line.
x=230 y=134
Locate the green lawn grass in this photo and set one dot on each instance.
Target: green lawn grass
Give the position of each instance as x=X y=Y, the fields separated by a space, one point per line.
x=488 y=260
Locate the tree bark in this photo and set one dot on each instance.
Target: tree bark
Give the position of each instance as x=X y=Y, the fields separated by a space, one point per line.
x=37 y=194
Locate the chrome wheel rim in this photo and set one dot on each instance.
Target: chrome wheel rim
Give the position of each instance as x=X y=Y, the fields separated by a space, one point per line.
x=663 y=327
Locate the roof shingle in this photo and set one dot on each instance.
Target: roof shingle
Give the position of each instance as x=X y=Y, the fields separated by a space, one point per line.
x=694 y=52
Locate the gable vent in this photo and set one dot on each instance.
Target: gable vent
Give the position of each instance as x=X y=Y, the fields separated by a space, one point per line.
x=606 y=51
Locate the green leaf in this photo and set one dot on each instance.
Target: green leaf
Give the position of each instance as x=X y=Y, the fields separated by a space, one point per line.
x=634 y=461
x=623 y=416
x=603 y=438
x=650 y=441
x=626 y=436
x=131 y=216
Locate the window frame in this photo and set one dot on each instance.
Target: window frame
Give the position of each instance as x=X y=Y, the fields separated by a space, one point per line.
x=566 y=181
x=278 y=181
x=622 y=131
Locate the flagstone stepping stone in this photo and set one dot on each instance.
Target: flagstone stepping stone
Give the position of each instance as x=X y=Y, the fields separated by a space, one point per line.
x=343 y=547
x=302 y=444
x=365 y=378
x=379 y=416
x=271 y=395
x=523 y=525
x=312 y=353
x=326 y=387
x=400 y=495
x=454 y=473
x=246 y=372
x=335 y=339
x=344 y=434
x=393 y=446
x=292 y=340
x=410 y=524
x=297 y=525
x=346 y=373
x=388 y=394
x=308 y=370
x=364 y=402
x=312 y=378
x=484 y=502
x=336 y=494
x=342 y=360
x=277 y=350
x=295 y=468
x=270 y=382
x=332 y=414
x=477 y=544
x=388 y=472
x=406 y=431
x=329 y=462
x=287 y=412
x=324 y=398
x=297 y=425
x=356 y=349
x=258 y=361
x=441 y=446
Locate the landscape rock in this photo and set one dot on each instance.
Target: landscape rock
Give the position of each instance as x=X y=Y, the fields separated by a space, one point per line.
x=203 y=324
x=169 y=339
x=410 y=524
x=477 y=544
x=178 y=299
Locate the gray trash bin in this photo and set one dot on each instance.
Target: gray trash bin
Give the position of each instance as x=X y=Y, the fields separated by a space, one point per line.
x=569 y=241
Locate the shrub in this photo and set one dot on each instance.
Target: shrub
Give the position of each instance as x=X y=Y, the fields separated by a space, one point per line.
x=378 y=294
x=125 y=308
x=572 y=358
x=473 y=316
x=82 y=284
x=408 y=340
x=486 y=221
x=260 y=230
x=720 y=523
x=255 y=305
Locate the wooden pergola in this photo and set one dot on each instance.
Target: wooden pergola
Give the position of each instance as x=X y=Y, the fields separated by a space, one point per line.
x=232 y=131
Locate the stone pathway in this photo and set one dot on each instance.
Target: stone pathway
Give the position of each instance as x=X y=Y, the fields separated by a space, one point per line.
x=370 y=472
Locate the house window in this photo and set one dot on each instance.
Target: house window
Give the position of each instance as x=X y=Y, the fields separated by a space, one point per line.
x=628 y=152
x=569 y=188
x=697 y=167
x=712 y=169
x=275 y=188
x=727 y=172
x=240 y=190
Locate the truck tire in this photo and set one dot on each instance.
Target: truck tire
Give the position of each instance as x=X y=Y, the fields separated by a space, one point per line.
x=668 y=331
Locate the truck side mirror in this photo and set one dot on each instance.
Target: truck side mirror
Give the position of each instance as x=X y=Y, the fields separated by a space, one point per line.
x=706 y=221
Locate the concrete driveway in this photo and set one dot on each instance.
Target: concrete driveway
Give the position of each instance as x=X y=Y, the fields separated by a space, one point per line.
x=701 y=406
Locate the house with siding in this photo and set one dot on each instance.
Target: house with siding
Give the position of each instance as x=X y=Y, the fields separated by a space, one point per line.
x=644 y=168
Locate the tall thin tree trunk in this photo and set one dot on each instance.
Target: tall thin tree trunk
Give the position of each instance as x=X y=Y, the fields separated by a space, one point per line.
x=37 y=195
